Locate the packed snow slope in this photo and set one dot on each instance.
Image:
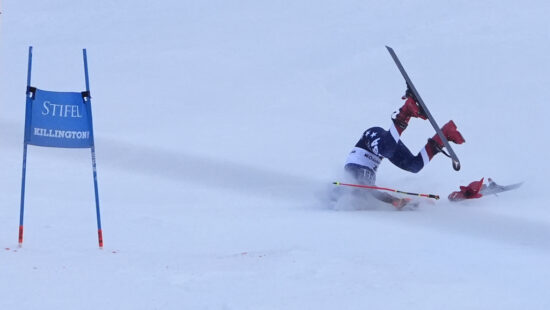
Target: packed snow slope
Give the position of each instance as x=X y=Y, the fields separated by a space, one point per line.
x=219 y=127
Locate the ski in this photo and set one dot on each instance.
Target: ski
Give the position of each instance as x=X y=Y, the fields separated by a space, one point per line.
x=494 y=188
x=452 y=154
x=477 y=189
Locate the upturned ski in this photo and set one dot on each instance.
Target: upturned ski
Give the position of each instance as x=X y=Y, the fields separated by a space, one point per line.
x=410 y=85
x=477 y=189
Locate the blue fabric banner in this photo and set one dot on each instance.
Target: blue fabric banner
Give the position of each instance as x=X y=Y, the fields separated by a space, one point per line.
x=58 y=119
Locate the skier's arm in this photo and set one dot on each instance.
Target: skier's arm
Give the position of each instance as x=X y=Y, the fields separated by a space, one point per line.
x=387 y=198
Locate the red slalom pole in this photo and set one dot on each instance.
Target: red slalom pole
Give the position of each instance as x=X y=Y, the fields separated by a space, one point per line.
x=387 y=189
x=100 y=238
x=21 y=236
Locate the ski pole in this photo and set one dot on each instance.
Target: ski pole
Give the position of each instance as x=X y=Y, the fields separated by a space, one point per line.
x=387 y=189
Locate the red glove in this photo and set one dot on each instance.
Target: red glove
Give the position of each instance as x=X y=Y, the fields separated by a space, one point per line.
x=400 y=203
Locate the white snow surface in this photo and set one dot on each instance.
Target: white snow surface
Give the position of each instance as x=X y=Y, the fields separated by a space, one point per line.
x=219 y=127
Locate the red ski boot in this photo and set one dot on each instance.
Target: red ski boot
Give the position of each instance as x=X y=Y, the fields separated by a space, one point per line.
x=468 y=192
x=450 y=132
x=408 y=110
x=435 y=145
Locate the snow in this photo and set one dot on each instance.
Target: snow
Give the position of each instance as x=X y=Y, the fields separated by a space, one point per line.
x=219 y=127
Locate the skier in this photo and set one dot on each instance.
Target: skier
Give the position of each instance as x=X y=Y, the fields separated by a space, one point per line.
x=376 y=144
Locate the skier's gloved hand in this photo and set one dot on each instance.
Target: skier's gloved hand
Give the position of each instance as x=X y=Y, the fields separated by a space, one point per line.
x=400 y=203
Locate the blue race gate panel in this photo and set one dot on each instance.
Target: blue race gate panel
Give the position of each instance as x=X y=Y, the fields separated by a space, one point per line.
x=59 y=119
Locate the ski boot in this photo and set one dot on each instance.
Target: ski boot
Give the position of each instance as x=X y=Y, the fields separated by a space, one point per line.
x=435 y=145
x=408 y=110
x=451 y=133
x=472 y=191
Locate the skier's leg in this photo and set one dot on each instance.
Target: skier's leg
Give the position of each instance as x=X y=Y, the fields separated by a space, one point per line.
x=387 y=144
x=404 y=159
